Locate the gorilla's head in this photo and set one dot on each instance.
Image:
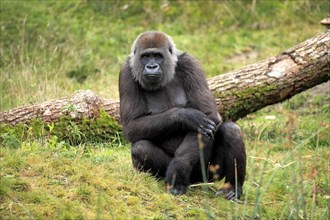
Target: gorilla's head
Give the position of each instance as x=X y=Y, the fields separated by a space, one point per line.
x=153 y=59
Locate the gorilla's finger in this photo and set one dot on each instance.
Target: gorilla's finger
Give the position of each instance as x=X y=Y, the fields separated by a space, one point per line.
x=202 y=131
x=211 y=125
x=231 y=195
x=208 y=131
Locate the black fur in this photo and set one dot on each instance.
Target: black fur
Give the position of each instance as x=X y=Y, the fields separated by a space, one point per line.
x=162 y=122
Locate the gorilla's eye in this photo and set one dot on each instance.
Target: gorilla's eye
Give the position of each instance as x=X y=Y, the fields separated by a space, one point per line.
x=145 y=56
x=170 y=49
x=158 y=55
x=151 y=55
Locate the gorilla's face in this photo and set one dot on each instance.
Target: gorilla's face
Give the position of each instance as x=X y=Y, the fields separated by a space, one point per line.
x=153 y=60
x=152 y=74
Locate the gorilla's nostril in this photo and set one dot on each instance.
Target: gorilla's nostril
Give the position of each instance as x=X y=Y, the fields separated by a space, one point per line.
x=152 y=66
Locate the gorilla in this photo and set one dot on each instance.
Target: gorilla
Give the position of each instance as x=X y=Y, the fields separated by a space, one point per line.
x=167 y=109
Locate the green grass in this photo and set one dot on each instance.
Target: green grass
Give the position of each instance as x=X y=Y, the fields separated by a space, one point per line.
x=50 y=49
x=87 y=181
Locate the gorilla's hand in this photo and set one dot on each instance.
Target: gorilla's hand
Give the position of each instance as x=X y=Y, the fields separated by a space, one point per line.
x=197 y=121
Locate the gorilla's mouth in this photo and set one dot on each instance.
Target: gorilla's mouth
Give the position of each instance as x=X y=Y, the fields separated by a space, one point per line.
x=151 y=82
x=153 y=77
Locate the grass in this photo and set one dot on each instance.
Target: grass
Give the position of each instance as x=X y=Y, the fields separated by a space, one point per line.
x=89 y=181
x=50 y=49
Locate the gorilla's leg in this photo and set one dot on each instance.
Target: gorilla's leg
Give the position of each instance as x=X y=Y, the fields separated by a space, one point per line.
x=228 y=148
x=187 y=156
x=148 y=157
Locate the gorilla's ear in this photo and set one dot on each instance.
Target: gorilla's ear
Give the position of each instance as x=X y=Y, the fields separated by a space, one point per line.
x=170 y=49
x=134 y=52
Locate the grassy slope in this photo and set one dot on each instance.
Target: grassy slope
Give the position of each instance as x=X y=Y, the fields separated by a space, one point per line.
x=51 y=49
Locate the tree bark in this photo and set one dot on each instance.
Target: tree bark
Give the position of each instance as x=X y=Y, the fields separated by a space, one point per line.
x=273 y=80
x=237 y=93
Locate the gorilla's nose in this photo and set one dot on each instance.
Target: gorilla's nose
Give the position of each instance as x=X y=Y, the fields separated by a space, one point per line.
x=152 y=68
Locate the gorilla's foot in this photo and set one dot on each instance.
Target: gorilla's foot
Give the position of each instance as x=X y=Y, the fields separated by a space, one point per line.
x=177 y=190
x=229 y=192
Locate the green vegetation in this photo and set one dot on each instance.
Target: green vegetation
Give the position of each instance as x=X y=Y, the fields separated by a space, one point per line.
x=50 y=49
x=68 y=130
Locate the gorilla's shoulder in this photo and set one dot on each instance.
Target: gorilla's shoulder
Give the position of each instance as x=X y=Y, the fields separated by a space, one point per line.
x=186 y=57
x=187 y=61
x=125 y=74
x=126 y=68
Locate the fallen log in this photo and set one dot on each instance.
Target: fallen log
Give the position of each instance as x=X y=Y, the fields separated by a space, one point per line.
x=237 y=93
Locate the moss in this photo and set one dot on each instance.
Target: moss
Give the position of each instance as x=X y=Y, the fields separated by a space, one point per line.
x=245 y=105
x=101 y=129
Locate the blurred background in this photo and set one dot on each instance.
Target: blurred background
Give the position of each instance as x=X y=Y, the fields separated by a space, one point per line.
x=50 y=49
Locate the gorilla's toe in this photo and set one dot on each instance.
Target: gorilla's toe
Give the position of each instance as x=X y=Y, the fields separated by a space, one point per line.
x=178 y=190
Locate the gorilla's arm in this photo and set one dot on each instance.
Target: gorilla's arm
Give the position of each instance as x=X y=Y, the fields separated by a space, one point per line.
x=138 y=124
x=167 y=123
x=196 y=87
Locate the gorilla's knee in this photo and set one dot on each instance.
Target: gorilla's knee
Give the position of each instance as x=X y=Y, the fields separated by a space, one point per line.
x=229 y=141
x=137 y=148
x=230 y=130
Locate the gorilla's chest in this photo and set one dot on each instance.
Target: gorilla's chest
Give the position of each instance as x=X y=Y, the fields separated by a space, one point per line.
x=173 y=95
